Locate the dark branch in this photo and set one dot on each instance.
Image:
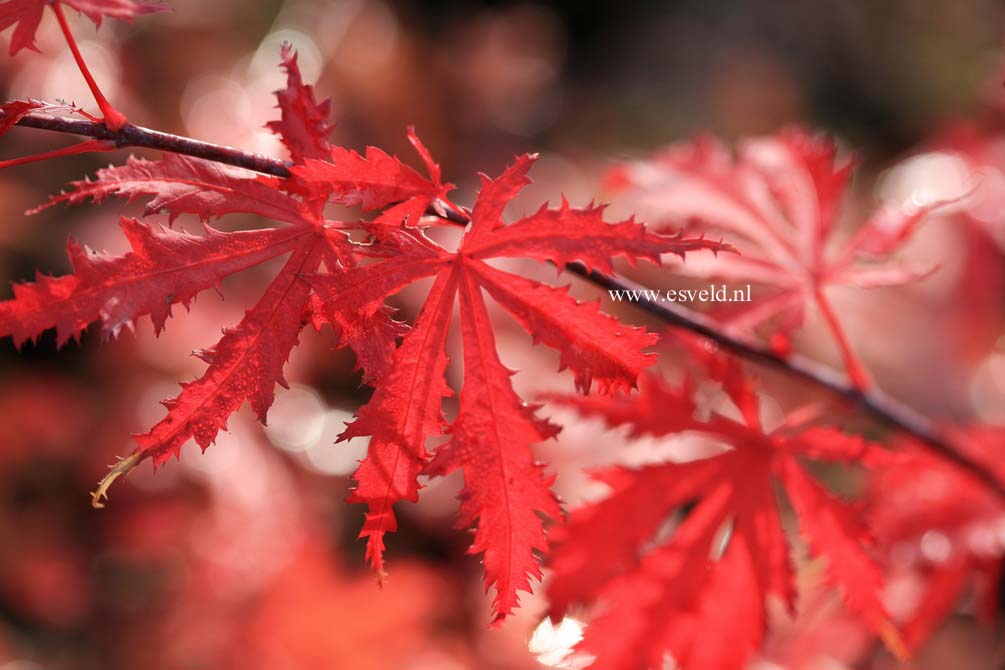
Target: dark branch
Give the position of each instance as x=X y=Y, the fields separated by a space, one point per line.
x=886 y=409
x=137 y=136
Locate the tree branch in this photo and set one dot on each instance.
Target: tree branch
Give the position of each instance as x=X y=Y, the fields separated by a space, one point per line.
x=137 y=136
x=881 y=406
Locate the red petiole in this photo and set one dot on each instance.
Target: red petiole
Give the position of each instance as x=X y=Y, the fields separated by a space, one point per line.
x=114 y=119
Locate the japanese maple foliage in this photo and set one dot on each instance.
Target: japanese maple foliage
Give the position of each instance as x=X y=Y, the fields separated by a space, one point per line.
x=781 y=197
x=167 y=267
x=681 y=557
x=305 y=124
x=506 y=489
x=26 y=16
x=15 y=111
x=179 y=184
x=729 y=551
x=933 y=520
x=492 y=436
x=163 y=268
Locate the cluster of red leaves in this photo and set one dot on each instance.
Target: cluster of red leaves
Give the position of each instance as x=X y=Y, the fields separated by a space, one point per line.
x=728 y=552
x=779 y=198
x=323 y=282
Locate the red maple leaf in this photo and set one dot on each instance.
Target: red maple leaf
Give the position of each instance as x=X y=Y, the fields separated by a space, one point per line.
x=164 y=267
x=374 y=181
x=305 y=124
x=26 y=15
x=781 y=197
x=708 y=581
x=938 y=521
x=167 y=267
x=491 y=439
x=179 y=184
x=15 y=110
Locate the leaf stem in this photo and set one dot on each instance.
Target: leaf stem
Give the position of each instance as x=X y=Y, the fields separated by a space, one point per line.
x=886 y=409
x=852 y=365
x=114 y=119
x=121 y=468
x=87 y=146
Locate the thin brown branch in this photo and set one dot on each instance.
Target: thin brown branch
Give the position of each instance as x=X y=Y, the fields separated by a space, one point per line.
x=137 y=136
x=881 y=406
